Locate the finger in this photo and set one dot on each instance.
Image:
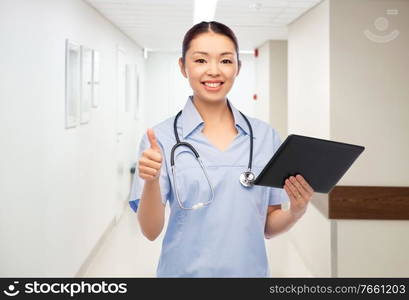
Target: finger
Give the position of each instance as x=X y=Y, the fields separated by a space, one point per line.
x=305 y=184
x=152 y=155
x=299 y=202
x=306 y=195
x=290 y=194
x=148 y=171
x=292 y=191
x=149 y=163
x=152 y=140
x=300 y=190
x=297 y=195
x=146 y=177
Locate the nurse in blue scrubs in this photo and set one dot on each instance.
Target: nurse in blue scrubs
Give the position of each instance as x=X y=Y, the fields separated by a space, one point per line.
x=217 y=224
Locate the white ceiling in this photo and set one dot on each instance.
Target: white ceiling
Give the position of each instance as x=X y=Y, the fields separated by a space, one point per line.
x=160 y=25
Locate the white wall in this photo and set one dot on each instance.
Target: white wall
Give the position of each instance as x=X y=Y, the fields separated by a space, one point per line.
x=372 y=248
x=345 y=87
x=271 y=85
x=244 y=88
x=370 y=107
x=278 y=87
x=262 y=84
x=370 y=91
x=308 y=73
x=167 y=89
x=305 y=250
x=58 y=187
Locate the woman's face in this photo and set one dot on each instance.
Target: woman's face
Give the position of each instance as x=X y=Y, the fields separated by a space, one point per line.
x=210 y=66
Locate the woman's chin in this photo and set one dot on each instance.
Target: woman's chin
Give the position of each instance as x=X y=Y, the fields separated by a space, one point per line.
x=211 y=97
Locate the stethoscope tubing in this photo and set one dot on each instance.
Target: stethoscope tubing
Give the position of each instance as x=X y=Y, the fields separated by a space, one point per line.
x=179 y=143
x=246 y=178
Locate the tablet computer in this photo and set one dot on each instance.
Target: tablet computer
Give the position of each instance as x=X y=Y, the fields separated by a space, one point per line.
x=322 y=163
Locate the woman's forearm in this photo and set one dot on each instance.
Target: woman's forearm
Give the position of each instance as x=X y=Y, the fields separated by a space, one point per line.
x=151 y=211
x=279 y=221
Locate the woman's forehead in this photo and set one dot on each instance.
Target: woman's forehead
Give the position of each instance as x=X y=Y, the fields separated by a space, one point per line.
x=214 y=52
x=212 y=43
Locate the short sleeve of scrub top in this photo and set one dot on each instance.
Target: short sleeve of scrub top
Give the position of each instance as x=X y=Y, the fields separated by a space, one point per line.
x=138 y=182
x=226 y=237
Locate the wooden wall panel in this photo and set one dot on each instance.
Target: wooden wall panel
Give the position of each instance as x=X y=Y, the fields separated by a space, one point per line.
x=369 y=202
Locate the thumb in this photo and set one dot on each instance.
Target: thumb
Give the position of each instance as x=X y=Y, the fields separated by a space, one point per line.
x=152 y=139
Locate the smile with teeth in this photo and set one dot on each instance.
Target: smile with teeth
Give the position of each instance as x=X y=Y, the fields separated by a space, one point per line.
x=212 y=84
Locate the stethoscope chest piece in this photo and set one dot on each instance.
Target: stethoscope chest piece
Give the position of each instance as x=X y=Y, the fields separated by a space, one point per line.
x=247 y=178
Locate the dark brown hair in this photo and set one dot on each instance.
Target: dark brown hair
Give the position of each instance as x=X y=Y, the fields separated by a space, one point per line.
x=204 y=27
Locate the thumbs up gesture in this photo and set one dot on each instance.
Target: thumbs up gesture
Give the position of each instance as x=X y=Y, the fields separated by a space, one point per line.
x=151 y=159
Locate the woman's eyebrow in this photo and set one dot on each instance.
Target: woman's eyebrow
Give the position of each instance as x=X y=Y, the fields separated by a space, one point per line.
x=205 y=53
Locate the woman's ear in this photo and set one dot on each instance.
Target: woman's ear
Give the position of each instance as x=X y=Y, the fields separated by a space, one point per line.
x=182 y=67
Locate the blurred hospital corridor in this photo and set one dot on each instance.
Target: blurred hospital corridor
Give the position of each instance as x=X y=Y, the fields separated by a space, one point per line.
x=81 y=81
x=125 y=252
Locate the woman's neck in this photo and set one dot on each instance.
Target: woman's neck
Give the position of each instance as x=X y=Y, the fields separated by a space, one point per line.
x=214 y=113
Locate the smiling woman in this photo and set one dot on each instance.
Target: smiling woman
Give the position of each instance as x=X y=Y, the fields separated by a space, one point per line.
x=210 y=60
x=194 y=162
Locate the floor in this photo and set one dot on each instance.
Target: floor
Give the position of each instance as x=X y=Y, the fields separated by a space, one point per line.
x=126 y=252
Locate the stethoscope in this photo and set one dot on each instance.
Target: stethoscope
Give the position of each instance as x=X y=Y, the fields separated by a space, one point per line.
x=246 y=178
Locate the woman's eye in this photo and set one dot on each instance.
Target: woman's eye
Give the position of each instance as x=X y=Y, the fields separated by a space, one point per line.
x=226 y=61
x=200 y=60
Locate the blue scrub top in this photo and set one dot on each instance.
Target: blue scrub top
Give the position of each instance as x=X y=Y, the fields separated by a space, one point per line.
x=225 y=238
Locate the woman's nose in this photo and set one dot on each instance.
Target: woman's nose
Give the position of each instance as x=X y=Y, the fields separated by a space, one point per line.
x=213 y=69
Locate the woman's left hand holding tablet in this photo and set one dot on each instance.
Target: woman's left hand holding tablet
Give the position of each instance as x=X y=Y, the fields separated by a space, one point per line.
x=300 y=194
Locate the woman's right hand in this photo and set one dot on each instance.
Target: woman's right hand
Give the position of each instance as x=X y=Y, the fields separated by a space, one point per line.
x=151 y=159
